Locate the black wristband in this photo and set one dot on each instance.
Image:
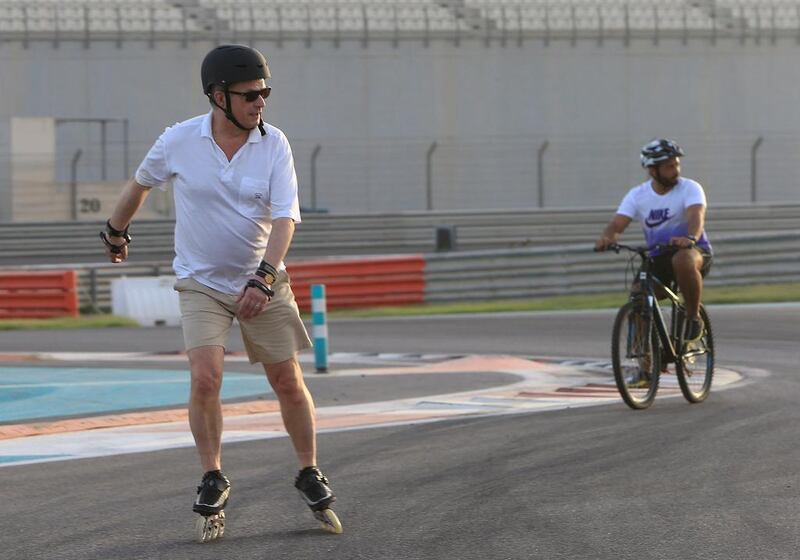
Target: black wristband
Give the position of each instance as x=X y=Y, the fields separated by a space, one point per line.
x=256 y=284
x=113 y=232
x=691 y=238
x=110 y=231
x=267 y=272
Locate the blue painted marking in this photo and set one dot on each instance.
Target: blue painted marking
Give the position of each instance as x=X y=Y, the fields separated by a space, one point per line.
x=32 y=392
x=20 y=458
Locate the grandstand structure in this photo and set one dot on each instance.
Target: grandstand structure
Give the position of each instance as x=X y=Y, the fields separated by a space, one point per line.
x=395 y=20
x=407 y=106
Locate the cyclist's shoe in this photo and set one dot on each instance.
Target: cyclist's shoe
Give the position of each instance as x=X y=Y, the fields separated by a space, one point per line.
x=694 y=330
x=313 y=487
x=212 y=494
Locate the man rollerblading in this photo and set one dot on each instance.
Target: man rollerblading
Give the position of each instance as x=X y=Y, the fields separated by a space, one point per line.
x=236 y=200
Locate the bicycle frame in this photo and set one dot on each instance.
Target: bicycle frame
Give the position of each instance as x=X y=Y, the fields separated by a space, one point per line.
x=648 y=284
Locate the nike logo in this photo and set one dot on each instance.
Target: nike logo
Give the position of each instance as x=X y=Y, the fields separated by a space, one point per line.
x=657 y=217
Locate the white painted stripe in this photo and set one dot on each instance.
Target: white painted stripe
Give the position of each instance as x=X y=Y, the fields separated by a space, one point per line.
x=318 y=305
x=319 y=331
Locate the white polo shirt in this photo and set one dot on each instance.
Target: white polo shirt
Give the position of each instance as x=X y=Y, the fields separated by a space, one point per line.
x=223 y=209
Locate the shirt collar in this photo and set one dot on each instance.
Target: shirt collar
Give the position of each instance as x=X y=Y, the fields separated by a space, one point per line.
x=205 y=130
x=205 y=127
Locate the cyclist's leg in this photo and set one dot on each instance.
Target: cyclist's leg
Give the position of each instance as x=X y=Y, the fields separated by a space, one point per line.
x=662 y=269
x=687 y=265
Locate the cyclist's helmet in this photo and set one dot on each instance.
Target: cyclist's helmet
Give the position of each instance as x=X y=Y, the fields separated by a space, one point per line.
x=658 y=150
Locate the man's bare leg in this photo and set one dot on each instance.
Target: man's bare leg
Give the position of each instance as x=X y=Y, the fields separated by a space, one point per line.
x=205 y=409
x=686 y=264
x=297 y=408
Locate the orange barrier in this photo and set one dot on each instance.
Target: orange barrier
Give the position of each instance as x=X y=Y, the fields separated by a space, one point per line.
x=35 y=295
x=364 y=282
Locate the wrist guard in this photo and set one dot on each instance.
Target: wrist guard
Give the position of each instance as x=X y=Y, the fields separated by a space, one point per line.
x=111 y=232
x=252 y=283
x=267 y=272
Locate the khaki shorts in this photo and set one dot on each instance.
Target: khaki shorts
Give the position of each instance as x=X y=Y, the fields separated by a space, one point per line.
x=273 y=336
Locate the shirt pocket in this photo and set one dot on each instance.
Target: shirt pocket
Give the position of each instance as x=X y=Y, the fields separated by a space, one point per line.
x=254 y=197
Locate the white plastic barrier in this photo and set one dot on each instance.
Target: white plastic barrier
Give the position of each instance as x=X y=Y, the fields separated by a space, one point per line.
x=150 y=301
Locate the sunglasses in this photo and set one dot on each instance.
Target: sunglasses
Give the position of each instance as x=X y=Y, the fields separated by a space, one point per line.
x=251 y=96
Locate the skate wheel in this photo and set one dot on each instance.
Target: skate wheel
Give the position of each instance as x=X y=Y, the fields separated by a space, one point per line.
x=208 y=528
x=329 y=521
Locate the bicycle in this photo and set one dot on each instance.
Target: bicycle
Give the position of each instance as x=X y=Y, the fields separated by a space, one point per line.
x=644 y=342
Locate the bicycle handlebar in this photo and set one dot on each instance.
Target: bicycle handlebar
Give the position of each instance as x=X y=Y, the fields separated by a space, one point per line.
x=640 y=250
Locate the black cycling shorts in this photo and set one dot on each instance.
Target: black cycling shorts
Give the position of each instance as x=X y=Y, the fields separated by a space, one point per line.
x=662 y=266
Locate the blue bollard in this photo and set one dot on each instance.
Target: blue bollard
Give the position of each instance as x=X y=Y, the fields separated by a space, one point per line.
x=319 y=327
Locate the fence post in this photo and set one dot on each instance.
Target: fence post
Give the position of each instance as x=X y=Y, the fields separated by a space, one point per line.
x=429 y=177
x=314 y=155
x=540 y=172
x=93 y=288
x=319 y=327
x=753 y=175
x=73 y=185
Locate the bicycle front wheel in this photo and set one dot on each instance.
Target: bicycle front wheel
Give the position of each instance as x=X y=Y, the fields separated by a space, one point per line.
x=695 y=366
x=635 y=356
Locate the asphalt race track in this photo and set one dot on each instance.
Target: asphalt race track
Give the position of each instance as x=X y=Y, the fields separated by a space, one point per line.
x=716 y=480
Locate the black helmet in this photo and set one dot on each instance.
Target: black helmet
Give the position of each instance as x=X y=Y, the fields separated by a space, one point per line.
x=228 y=64
x=659 y=150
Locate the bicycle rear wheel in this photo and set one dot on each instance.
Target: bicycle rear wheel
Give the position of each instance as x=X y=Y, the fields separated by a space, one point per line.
x=695 y=366
x=635 y=356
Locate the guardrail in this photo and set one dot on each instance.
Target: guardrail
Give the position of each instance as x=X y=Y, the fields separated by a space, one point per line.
x=38 y=294
x=327 y=235
x=576 y=269
x=526 y=272
x=361 y=282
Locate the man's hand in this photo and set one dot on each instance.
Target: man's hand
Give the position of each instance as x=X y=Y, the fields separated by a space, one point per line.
x=252 y=301
x=682 y=242
x=603 y=243
x=116 y=242
x=123 y=252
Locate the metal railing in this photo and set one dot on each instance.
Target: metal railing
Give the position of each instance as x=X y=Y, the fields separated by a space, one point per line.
x=506 y=254
x=739 y=259
x=540 y=271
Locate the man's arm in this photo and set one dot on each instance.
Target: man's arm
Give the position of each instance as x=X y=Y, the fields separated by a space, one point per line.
x=696 y=223
x=253 y=301
x=612 y=231
x=131 y=199
x=280 y=238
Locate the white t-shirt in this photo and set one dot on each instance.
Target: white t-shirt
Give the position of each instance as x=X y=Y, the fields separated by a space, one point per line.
x=663 y=216
x=223 y=209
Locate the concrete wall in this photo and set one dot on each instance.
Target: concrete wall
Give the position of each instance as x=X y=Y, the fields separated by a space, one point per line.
x=375 y=112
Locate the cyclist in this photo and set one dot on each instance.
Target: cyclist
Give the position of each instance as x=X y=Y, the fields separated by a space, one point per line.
x=672 y=212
